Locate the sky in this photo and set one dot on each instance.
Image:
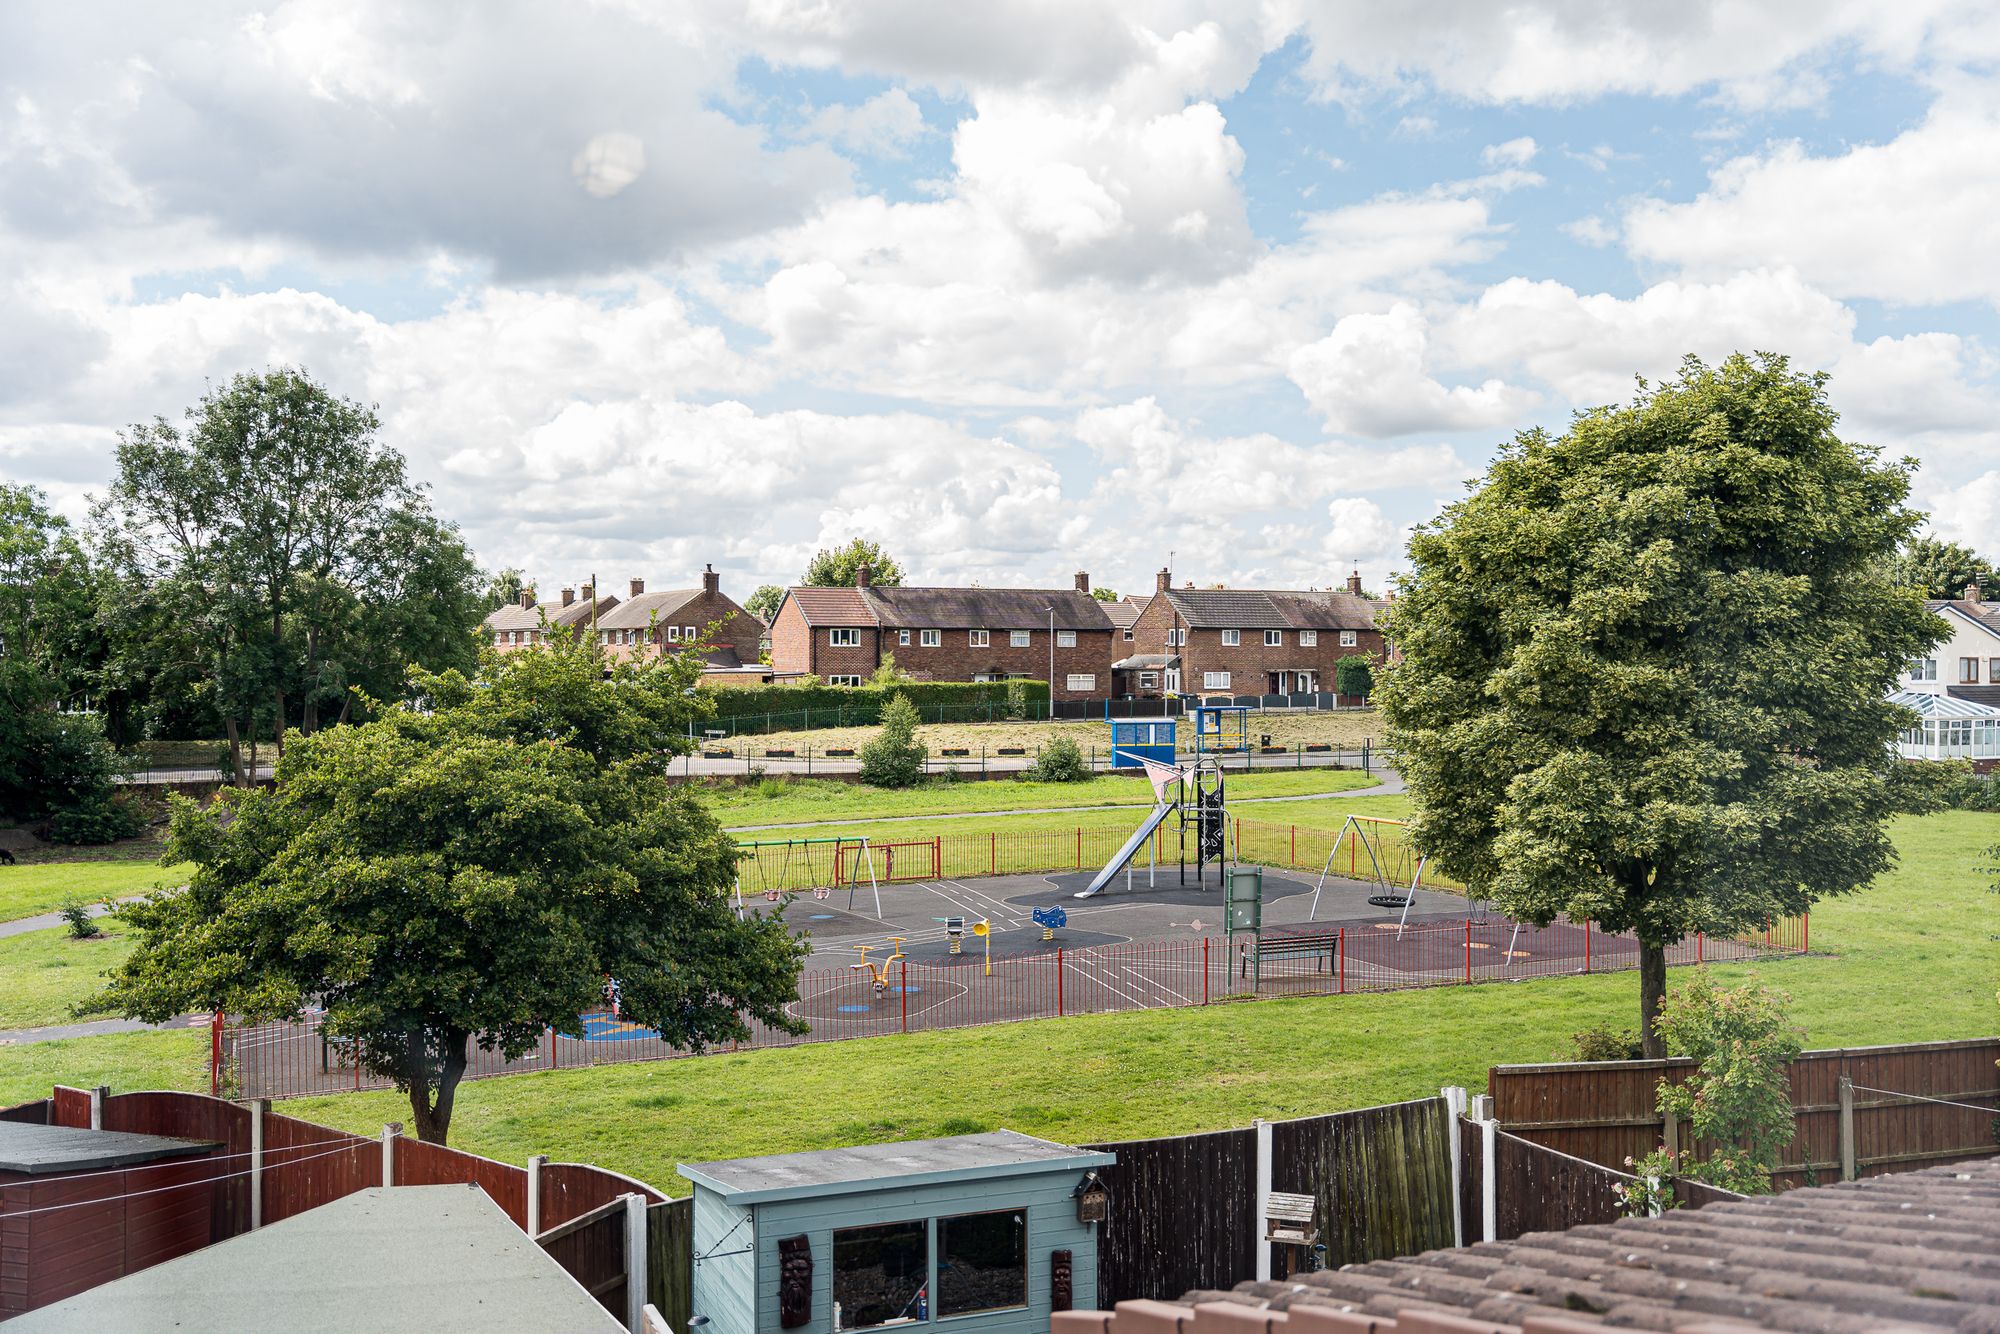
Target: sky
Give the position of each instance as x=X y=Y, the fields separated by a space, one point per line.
x=1016 y=289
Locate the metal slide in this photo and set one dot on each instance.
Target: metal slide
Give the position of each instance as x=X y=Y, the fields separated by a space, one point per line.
x=1126 y=853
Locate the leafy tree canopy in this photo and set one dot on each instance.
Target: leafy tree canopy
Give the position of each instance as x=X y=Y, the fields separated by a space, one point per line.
x=473 y=870
x=503 y=589
x=1646 y=664
x=836 y=568
x=1940 y=569
x=1105 y=594
x=764 y=603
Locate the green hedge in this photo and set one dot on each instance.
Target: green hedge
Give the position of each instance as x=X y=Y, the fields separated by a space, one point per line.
x=928 y=696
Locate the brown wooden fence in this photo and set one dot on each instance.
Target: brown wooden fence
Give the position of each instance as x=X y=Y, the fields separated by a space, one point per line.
x=1605 y=1112
x=1180 y=1215
x=1382 y=1177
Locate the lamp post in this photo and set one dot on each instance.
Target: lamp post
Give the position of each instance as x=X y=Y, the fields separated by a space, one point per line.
x=1052 y=661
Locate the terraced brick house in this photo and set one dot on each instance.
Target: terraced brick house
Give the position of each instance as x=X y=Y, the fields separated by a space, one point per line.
x=1246 y=641
x=519 y=624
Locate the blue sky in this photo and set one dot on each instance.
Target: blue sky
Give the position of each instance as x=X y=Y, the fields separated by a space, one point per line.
x=1016 y=290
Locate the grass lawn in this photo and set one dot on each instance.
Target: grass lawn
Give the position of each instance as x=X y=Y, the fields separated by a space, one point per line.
x=171 y=1059
x=1345 y=729
x=34 y=888
x=43 y=974
x=814 y=800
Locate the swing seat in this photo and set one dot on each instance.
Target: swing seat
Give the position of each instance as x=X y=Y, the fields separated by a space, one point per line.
x=1389 y=900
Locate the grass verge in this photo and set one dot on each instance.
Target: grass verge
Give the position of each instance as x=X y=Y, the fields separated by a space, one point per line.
x=168 y=1059
x=32 y=889
x=1346 y=729
x=44 y=974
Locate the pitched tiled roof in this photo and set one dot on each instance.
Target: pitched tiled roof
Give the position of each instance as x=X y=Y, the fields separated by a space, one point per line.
x=514 y=616
x=1125 y=612
x=832 y=606
x=987 y=608
x=1985 y=615
x=1273 y=609
x=636 y=613
x=1911 y=1251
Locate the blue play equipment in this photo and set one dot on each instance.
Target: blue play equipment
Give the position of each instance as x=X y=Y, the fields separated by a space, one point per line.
x=1134 y=739
x=1051 y=917
x=1221 y=728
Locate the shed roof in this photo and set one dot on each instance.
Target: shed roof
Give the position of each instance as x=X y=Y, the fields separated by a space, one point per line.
x=1271 y=609
x=375 y=1259
x=32 y=1150
x=867 y=1167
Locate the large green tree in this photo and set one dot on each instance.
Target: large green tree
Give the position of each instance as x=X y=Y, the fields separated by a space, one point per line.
x=1646 y=664
x=1940 y=569
x=764 y=603
x=292 y=549
x=471 y=871
x=836 y=568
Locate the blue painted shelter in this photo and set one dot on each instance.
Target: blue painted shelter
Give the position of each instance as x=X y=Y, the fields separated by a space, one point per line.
x=1221 y=728
x=973 y=1232
x=1152 y=738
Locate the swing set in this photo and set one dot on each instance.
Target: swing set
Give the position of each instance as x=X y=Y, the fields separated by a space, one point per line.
x=1396 y=880
x=782 y=865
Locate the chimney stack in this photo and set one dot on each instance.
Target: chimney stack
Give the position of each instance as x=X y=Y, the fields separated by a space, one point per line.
x=590 y=592
x=711 y=582
x=1163 y=580
x=1354 y=583
x=528 y=598
x=1972 y=592
x=638 y=587
x=862 y=574
x=1083 y=581
x=569 y=596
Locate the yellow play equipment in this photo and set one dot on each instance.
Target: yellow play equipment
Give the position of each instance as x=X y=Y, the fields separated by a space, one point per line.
x=879 y=971
x=984 y=931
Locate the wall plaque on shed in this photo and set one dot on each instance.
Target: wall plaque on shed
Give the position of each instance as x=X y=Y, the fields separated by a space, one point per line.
x=1061 y=1291
x=795 y=1281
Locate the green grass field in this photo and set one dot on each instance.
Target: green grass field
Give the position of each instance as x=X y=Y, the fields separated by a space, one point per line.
x=30 y=890
x=1346 y=729
x=43 y=974
x=777 y=801
x=177 y=1059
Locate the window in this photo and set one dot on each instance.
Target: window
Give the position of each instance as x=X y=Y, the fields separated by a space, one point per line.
x=930 y=638
x=978 y=638
x=673 y=634
x=1348 y=639
x=1993 y=671
x=1215 y=680
x=1968 y=671
x=1176 y=637
x=513 y=636
x=843 y=680
x=844 y=638
x=687 y=633
x=1273 y=638
x=982 y=1262
x=1308 y=639
x=1065 y=639
x=1128 y=636
x=1231 y=638
x=903 y=637
x=1082 y=681
x=1149 y=680
x=1923 y=669
x=879 y=1272
x=1017 y=638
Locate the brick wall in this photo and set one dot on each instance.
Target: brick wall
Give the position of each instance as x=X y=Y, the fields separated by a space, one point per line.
x=1252 y=665
x=798 y=647
x=955 y=658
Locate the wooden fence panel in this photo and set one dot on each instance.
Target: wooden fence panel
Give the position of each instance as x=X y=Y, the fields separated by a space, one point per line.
x=591 y=1247
x=1471 y=1179
x=307 y=1165
x=421 y=1164
x=1181 y=1216
x=34 y=1113
x=1537 y=1189
x=670 y=1260
x=196 y=1116
x=1694 y=1194
x=572 y=1189
x=1382 y=1176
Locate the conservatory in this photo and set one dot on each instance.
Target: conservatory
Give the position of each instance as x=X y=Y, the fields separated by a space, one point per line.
x=1952 y=728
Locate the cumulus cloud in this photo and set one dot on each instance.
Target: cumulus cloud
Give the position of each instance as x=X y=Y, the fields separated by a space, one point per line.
x=884 y=126
x=1514 y=153
x=1369 y=377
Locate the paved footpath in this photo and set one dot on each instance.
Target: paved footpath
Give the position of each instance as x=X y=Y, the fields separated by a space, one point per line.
x=94 y=1028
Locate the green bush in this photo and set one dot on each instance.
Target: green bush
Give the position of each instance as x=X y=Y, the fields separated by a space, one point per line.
x=1354 y=675
x=76 y=916
x=1061 y=761
x=97 y=820
x=958 y=701
x=1604 y=1043
x=893 y=758
x=1969 y=791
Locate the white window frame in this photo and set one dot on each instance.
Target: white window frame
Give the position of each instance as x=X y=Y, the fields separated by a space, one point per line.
x=1149 y=680
x=1065 y=639
x=688 y=634
x=1308 y=639
x=843 y=679
x=1020 y=638
x=979 y=638
x=930 y=638
x=1215 y=680
x=1274 y=639
x=513 y=636
x=1348 y=639
x=1923 y=669
x=1128 y=636
x=902 y=639
x=852 y=639
x=1232 y=638
x=1081 y=683
x=673 y=634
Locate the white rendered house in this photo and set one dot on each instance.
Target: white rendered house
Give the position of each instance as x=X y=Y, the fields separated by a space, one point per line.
x=1955 y=687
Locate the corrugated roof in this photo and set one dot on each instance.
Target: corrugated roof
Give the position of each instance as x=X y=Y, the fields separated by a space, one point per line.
x=832 y=606
x=987 y=608
x=636 y=613
x=1271 y=609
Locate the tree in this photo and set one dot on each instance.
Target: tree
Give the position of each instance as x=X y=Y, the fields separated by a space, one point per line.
x=280 y=528
x=1354 y=675
x=1940 y=569
x=1060 y=761
x=836 y=568
x=887 y=673
x=1740 y=1096
x=1105 y=594
x=471 y=873
x=1646 y=665
x=894 y=758
x=764 y=603
x=503 y=589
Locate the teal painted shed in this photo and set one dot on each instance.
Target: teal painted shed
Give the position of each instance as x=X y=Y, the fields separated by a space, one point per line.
x=979 y=1234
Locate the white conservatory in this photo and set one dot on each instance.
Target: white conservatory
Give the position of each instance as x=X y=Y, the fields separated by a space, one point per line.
x=1952 y=728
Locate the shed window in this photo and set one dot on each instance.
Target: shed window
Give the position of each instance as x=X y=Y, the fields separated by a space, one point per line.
x=879 y=1272
x=982 y=1262
x=844 y=638
x=929 y=638
x=1017 y=638
x=1231 y=638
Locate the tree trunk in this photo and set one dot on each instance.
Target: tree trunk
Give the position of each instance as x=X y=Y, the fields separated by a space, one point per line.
x=430 y=1104
x=309 y=705
x=1652 y=990
x=235 y=752
x=278 y=727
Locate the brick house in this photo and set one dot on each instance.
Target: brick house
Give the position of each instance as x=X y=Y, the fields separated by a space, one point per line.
x=668 y=621
x=519 y=624
x=1246 y=641
x=948 y=634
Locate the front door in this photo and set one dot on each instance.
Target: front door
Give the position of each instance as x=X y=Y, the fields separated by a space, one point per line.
x=1305 y=683
x=1173 y=680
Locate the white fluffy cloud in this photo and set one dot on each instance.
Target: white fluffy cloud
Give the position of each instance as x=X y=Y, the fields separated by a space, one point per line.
x=1368 y=377
x=885 y=125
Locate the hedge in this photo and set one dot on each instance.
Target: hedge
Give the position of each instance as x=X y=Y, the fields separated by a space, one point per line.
x=744 y=701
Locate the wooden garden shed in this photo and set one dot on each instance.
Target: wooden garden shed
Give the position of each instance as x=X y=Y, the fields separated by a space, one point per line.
x=985 y=1234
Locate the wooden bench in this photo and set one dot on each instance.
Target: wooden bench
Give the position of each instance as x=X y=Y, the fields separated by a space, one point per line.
x=1292 y=944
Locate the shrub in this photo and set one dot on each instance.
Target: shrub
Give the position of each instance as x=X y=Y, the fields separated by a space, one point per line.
x=771 y=789
x=893 y=758
x=98 y=820
x=1061 y=761
x=1605 y=1043
x=1972 y=792
x=1739 y=1098
x=76 y=916
x=1354 y=675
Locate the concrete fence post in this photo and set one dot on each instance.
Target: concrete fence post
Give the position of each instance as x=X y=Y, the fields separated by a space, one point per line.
x=535 y=1165
x=97 y=1097
x=1262 y=1194
x=1850 y=1167
x=635 y=1263
x=389 y=1134
x=258 y=1111
x=1454 y=1108
x=1489 y=1173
